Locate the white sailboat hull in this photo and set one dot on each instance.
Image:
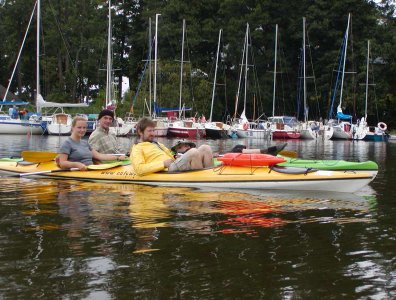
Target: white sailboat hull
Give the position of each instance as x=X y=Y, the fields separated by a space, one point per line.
x=340 y=134
x=17 y=126
x=59 y=124
x=123 y=130
x=254 y=133
x=58 y=129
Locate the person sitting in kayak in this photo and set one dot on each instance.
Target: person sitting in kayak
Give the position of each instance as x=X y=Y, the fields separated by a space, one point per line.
x=149 y=156
x=102 y=140
x=76 y=152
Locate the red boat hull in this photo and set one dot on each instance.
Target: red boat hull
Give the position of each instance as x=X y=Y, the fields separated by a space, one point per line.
x=186 y=133
x=286 y=135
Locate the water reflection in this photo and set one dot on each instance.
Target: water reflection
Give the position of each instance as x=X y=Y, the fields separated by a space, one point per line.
x=78 y=239
x=97 y=230
x=90 y=208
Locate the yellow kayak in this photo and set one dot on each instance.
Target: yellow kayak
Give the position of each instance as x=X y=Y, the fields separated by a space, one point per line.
x=230 y=177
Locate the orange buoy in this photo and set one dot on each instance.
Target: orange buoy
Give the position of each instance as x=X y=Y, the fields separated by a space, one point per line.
x=249 y=160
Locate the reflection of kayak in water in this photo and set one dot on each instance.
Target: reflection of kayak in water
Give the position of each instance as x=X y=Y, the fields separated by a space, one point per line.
x=221 y=177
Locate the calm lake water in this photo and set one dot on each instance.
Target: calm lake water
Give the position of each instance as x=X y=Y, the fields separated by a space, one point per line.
x=80 y=240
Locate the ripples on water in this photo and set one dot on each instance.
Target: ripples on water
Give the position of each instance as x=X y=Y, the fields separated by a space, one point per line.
x=74 y=231
x=102 y=241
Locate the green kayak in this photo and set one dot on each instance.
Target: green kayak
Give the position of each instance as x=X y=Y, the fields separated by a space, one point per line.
x=16 y=159
x=334 y=165
x=293 y=164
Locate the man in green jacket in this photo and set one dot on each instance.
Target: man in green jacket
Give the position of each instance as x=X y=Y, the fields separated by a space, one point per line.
x=149 y=156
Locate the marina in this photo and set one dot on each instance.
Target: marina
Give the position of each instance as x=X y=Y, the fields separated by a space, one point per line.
x=266 y=162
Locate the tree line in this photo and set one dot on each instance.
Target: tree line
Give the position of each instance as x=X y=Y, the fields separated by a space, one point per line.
x=74 y=46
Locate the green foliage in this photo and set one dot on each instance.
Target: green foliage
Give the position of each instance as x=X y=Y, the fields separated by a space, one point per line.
x=74 y=45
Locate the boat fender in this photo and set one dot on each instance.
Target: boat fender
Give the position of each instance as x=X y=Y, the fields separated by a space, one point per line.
x=382 y=126
x=291 y=170
x=245 y=126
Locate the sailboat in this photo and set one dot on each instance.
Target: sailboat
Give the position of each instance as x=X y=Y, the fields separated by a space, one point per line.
x=308 y=129
x=182 y=127
x=57 y=123
x=162 y=124
x=150 y=106
x=244 y=128
x=13 y=122
x=284 y=127
x=342 y=125
x=119 y=128
x=362 y=131
x=216 y=130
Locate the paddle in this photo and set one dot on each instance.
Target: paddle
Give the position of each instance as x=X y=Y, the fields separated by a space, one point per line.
x=38 y=156
x=43 y=156
x=288 y=153
x=41 y=172
x=90 y=167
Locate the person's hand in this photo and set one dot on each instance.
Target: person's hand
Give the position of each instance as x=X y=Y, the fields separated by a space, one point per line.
x=168 y=162
x=216 y=154
x=57 y=160
x=81 y=166
x=122 y=157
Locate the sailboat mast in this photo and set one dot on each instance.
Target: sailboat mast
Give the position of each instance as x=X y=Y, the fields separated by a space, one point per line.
x=215 y=76
x=304 y=76
x=181 y=69
x=276 y=53
x=38 y=54
x=246 y=65
x=345 y=54
x=155 y=63
x=367 y=78
x=109 y=60
x=19 y=55
x=150 y=68
x=240 y=78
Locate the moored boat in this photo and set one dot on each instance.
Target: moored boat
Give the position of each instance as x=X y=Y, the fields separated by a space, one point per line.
x=284 y=127
x=14 y=123
x=59 y=124
x=220 y=177
x=187 y=128
x=121 y=128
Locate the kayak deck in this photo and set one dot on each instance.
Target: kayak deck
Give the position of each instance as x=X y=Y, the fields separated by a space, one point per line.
x=342 y=165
